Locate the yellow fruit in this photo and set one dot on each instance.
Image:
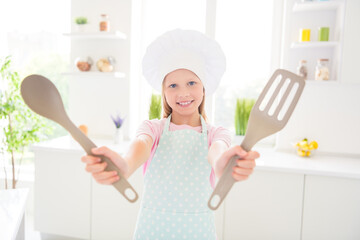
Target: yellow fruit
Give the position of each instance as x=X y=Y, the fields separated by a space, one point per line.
x=301 y=153
x=303 y=144
x=308 y=153
x=314 y=144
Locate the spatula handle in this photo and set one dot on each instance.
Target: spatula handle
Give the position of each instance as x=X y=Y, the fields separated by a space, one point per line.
x=122 y=185
x=224 y=185
x=227 y=181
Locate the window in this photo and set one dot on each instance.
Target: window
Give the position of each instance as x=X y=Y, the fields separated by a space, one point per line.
x=32 y=36
x=244 y=30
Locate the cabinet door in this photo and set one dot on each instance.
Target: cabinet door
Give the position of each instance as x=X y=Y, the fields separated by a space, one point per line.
x=62 y=194
x=331 y=208
x=112 y=216
x=266 y=206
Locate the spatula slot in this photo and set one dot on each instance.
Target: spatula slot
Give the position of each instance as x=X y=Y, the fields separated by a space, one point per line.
x=290 y=96
x=278 y=97
x=269 y=93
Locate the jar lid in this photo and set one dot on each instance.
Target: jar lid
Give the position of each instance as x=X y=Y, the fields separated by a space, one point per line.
x=323 y=59
x=303 y=61
x=104 y=15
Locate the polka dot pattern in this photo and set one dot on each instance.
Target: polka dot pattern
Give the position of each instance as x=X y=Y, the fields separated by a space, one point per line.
x=177 y=188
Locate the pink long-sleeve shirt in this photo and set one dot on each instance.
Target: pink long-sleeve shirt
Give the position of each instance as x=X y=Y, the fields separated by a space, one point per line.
x=155 y=127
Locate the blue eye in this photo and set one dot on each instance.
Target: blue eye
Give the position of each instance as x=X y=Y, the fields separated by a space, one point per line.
x=192 y=83
x=172 y=85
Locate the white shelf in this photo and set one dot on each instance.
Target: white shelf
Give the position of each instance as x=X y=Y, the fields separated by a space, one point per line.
x=97 y=35
x=316 y=6
x=313 y=44
x=96 y=74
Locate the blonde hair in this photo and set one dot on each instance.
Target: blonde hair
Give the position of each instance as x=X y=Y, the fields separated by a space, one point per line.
x=167 y=110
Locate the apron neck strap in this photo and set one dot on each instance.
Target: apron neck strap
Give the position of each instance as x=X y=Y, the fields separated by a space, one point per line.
x=203 y=125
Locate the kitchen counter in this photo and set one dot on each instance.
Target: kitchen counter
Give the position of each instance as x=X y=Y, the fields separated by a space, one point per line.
x=271 y=160
x=12 y=208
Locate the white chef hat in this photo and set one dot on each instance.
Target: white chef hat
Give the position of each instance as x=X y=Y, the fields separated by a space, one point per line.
x=184 y=49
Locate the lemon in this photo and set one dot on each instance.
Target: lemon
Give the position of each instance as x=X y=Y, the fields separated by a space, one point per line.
x=301 y=153
x=314 y=144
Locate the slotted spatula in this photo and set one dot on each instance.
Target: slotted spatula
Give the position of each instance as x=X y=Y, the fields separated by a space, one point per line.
x=263 y=122
x=42 y=96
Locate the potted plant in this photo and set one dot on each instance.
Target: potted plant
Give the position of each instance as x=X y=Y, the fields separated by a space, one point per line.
x=242 y=113
x=20 y=126
x=155 y=107
x=81 y=23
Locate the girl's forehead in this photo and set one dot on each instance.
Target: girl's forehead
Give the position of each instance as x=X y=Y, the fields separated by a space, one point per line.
x=181 y=75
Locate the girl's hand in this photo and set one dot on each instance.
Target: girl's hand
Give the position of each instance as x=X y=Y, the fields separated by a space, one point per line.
x=245 y=163
x=97 y=168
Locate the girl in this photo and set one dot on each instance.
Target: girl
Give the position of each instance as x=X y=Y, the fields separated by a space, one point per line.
x=182 y=154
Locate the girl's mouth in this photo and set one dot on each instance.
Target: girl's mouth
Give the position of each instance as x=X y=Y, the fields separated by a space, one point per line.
x=185 y=104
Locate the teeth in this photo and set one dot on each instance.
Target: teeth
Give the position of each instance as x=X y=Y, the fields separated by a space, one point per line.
x=185 y=103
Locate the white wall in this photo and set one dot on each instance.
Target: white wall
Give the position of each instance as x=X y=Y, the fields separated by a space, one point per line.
x=92 y=100
x=329 y=112
x=351 y=47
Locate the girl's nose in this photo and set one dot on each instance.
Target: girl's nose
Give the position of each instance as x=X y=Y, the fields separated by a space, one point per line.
x=184 y=94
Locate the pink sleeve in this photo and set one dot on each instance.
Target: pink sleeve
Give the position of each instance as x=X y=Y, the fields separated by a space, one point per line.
x=217 y=134
x=152 y=128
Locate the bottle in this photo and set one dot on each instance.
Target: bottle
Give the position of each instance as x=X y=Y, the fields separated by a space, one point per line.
x=104 y=23
x=302 y=69
x=322 y=70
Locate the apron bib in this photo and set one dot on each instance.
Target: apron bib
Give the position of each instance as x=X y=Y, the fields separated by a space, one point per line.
x=176 y=189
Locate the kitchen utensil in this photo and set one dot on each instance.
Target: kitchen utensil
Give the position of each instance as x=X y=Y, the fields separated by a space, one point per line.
x=263 y=121
x=41 y=95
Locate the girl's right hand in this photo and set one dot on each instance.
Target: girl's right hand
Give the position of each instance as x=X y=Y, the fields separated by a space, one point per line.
x=97 y=168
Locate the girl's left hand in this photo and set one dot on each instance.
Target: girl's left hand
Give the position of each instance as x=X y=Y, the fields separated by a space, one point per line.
x=245 y=163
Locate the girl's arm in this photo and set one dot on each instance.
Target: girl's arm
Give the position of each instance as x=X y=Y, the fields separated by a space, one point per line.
x=139 y=152
x=219 y=155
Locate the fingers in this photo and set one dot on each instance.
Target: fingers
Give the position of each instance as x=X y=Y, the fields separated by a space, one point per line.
x=95 y=168
x=106 y=177
x=90 y=159
x=249 y=163
x=240 y=174
x=104 y=151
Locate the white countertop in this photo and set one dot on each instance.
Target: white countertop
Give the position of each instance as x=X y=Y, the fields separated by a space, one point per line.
x=12 y=208
x=270 y=160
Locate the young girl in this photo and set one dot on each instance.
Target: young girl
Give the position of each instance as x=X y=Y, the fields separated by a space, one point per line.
x=181 y=154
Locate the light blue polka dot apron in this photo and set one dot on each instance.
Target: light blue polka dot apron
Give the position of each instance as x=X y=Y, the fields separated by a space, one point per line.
x=176 y=189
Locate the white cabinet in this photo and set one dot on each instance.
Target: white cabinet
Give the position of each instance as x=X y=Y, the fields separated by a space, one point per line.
x=62 y=193
x=331 y=208
x=312 y=15
x=112 y=216
x=266 y=206
x=274 y=203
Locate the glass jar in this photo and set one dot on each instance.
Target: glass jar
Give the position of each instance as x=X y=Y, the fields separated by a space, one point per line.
x=104 y=23
x=302 y=69
x=83 y=63
x=322 y=70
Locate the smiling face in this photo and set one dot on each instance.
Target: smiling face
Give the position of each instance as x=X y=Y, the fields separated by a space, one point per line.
x=184 y=92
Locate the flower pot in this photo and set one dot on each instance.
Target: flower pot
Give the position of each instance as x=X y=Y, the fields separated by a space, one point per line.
x=81 y=27
x=118 y=136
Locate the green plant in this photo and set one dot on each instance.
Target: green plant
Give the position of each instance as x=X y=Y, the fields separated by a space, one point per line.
x=20 y=126
x=155 y=107
x=81 y=20
x=242 y=113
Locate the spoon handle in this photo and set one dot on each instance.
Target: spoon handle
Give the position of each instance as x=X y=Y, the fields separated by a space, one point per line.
x=122 y=185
